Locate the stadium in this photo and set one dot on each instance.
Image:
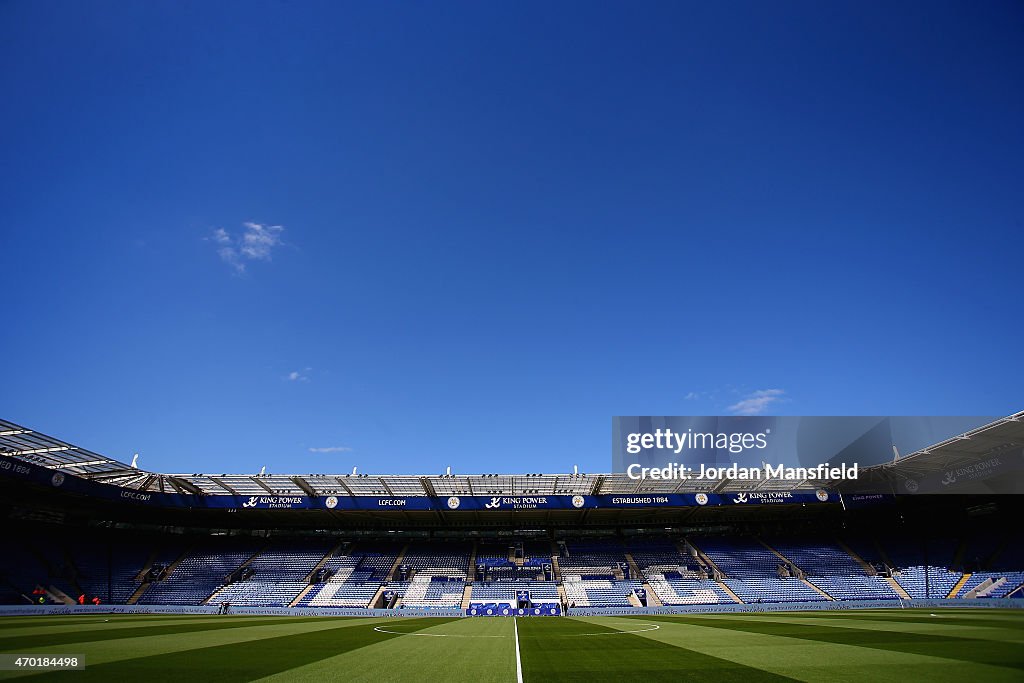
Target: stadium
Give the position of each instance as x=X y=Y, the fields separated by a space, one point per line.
x=317 y=315
x=511 y=576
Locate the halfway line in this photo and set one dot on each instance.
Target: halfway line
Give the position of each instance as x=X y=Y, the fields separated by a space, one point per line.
x=519 y=662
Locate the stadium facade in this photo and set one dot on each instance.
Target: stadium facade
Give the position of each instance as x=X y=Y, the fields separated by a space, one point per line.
x=84 y=528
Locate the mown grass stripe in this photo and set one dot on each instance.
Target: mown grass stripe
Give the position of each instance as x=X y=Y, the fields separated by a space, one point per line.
x=23 y=622
x=996 y=620
x=106 y=651
x=478 y=650
x=115 y=621
x=946 y=646
x=992 y=630
x=238 y=662
x=817 y=661
x=95 y=632
x=556 y=649
x=777 y=646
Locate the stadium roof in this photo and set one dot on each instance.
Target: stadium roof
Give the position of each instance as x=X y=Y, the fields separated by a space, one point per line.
x=46 y=451
x=958 y=451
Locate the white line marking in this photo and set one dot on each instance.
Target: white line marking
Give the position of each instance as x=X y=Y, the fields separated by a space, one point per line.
x=654 y=627
x=519 y=662
x=515 y=630
x=378 y=629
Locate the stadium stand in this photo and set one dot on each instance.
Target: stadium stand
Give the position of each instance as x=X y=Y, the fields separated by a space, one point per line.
x=428 y=591
x=329 y=572
x=278 y=575
x=506 y=591
x=595 y=573
x=438 y=559
x=437 y=575
x=417 y=542
x=833 y=570
x=755 y=573
x=675 y=578
x=679 y=591
x=325 y=572
x=201 y=573
x=926 y=581
x=98 y=567
x=354 y=579
x=21 y=570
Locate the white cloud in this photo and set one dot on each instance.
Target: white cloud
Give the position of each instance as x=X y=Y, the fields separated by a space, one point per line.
x=298 y=375
x=330 y=449
x=229 y=256
x=755 y=403
x=692 y=396
x=258 y=240
x=255 y=243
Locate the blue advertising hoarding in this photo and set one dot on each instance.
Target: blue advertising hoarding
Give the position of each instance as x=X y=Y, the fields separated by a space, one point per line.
x=71 y=484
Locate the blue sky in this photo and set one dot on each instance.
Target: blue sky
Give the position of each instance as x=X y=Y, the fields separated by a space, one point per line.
x=411 y=235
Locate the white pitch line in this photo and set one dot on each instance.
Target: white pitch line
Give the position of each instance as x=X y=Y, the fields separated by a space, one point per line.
x=654 y=627
x=378 y=629
x=519 y=662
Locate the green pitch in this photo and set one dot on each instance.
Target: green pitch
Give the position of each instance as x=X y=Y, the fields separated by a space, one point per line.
x=968 y=645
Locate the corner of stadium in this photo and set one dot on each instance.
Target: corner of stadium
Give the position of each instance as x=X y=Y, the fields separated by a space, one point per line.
x=238 y=575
